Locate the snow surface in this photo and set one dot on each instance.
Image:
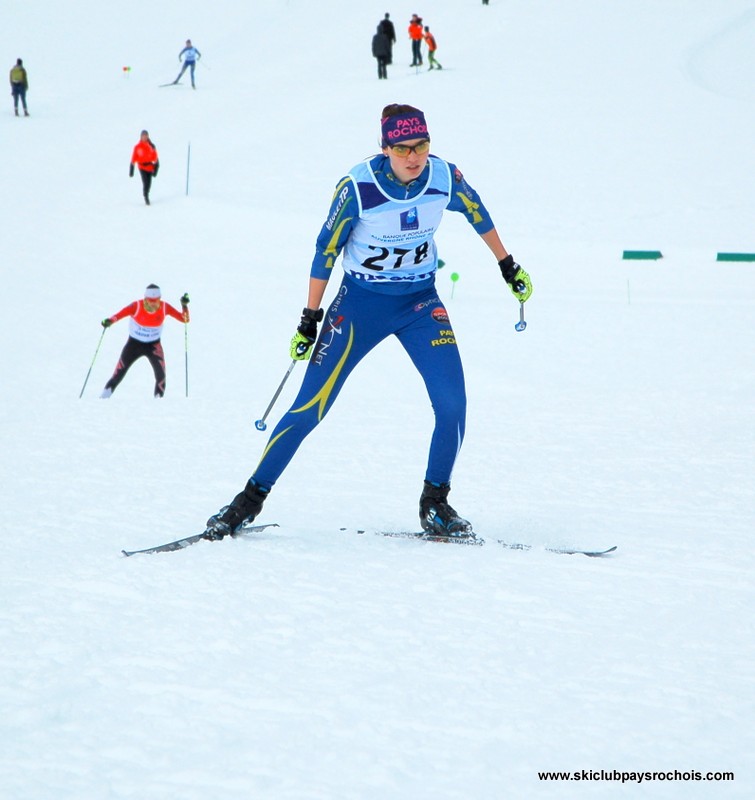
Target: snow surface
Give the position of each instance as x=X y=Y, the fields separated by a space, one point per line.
x=310 y=662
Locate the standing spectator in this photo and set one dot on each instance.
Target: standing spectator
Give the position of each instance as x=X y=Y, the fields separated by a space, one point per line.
x=431 y=48
x=386 y=27
x=415 y=34
x=19 y=84
x=146 y=158
x=191 y=56
x=381 y=49
x=145 y=325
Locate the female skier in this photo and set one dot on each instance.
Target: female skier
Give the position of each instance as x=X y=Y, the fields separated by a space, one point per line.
x=383 y=216
x=145 y=325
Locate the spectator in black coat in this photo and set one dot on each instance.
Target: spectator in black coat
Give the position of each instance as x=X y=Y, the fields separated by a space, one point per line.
x=381 y=49
x=386 y=27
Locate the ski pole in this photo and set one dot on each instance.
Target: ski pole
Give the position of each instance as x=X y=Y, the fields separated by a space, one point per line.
x=186 y=355
x=185 y=309
x=188 y=166
x=92 y=364
x=260 y=424
x=521 y=325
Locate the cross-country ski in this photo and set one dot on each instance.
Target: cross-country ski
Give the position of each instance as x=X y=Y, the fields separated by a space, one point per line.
x=473 y=539
x=187 y=541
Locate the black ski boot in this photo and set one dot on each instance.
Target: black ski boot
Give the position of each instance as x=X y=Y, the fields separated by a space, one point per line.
x=437 y=517
x=244 y=508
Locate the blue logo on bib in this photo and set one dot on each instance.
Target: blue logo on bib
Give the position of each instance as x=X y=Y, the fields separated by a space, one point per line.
x=410 y=220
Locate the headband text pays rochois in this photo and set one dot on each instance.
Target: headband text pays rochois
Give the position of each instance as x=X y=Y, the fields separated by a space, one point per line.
x=404 y=127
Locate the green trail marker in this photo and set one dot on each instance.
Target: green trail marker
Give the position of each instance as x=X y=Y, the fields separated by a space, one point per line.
x=735 y=257
x=454 y=278
x=642 y=255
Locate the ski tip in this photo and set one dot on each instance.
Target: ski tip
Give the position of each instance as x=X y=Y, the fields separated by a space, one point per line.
x=565 y=551
x=598 y=553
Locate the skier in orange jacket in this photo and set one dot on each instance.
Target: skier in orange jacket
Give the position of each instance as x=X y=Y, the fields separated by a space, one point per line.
x=146 y=158
x=432 y=46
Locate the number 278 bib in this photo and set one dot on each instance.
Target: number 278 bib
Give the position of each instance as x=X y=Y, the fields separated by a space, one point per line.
x=393 y=239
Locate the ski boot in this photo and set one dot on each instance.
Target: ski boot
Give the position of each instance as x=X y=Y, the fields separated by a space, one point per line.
x=437 y=517
x=244 y=508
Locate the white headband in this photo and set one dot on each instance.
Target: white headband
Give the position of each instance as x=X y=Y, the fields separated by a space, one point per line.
x=152 y=294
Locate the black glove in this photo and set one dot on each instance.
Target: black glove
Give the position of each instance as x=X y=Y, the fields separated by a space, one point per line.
x=131 y=170
x=518 y=280
x=157 y=167
x=106 y=323
x=305 y=334
x=185 y=299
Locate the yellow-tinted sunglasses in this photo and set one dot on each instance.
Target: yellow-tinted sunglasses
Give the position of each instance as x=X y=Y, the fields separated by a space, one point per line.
x=403 y=150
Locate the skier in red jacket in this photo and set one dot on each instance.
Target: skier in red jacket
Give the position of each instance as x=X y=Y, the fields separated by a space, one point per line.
x=146 y=158
x=145 y=325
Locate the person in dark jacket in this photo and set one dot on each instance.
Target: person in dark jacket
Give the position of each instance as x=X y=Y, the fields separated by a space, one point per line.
x=381 y=49
x=19 y=84
x=386 y=27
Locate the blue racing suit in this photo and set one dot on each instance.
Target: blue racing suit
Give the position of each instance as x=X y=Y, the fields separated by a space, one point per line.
x=385 y=231
x=191 y=56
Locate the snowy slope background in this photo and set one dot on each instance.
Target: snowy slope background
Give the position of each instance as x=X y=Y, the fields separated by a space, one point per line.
x=312 y=663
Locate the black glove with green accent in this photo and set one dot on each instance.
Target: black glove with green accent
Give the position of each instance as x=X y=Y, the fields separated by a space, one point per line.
x=518 y=280
x=185 y=299
x=306 y=334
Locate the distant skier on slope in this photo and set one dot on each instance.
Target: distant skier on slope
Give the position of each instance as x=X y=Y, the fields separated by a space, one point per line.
x=432 y=46
x=145 y=325
x=383 y=217
x=191 y=56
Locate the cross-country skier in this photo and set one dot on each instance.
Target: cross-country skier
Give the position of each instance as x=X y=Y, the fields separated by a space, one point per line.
x=145 y=325
x=432 y=46
x=383 y=217
x=191 y=56
x=146 y=158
